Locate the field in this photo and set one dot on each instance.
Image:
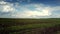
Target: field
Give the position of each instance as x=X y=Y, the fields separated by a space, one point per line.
x=29 y=26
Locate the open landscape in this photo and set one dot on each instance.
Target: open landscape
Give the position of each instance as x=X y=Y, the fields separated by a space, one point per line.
x=29 y=26
x=29 y=16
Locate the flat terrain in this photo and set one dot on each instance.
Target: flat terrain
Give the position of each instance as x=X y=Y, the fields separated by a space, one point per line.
x=29 y=26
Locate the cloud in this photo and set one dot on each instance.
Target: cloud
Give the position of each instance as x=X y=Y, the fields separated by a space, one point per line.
x=2 y=2
x=37 y=11
x=6 y=7
x=16 y=10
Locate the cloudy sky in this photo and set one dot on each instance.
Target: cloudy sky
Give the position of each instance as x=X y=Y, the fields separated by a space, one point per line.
x=29 y=8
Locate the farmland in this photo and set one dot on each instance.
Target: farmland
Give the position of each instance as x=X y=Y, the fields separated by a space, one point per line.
x=29 y=26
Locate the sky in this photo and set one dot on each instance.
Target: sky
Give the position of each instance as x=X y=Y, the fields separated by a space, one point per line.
x=29 y=8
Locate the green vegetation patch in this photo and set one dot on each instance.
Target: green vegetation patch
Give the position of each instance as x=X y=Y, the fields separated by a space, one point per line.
x=43 y=25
